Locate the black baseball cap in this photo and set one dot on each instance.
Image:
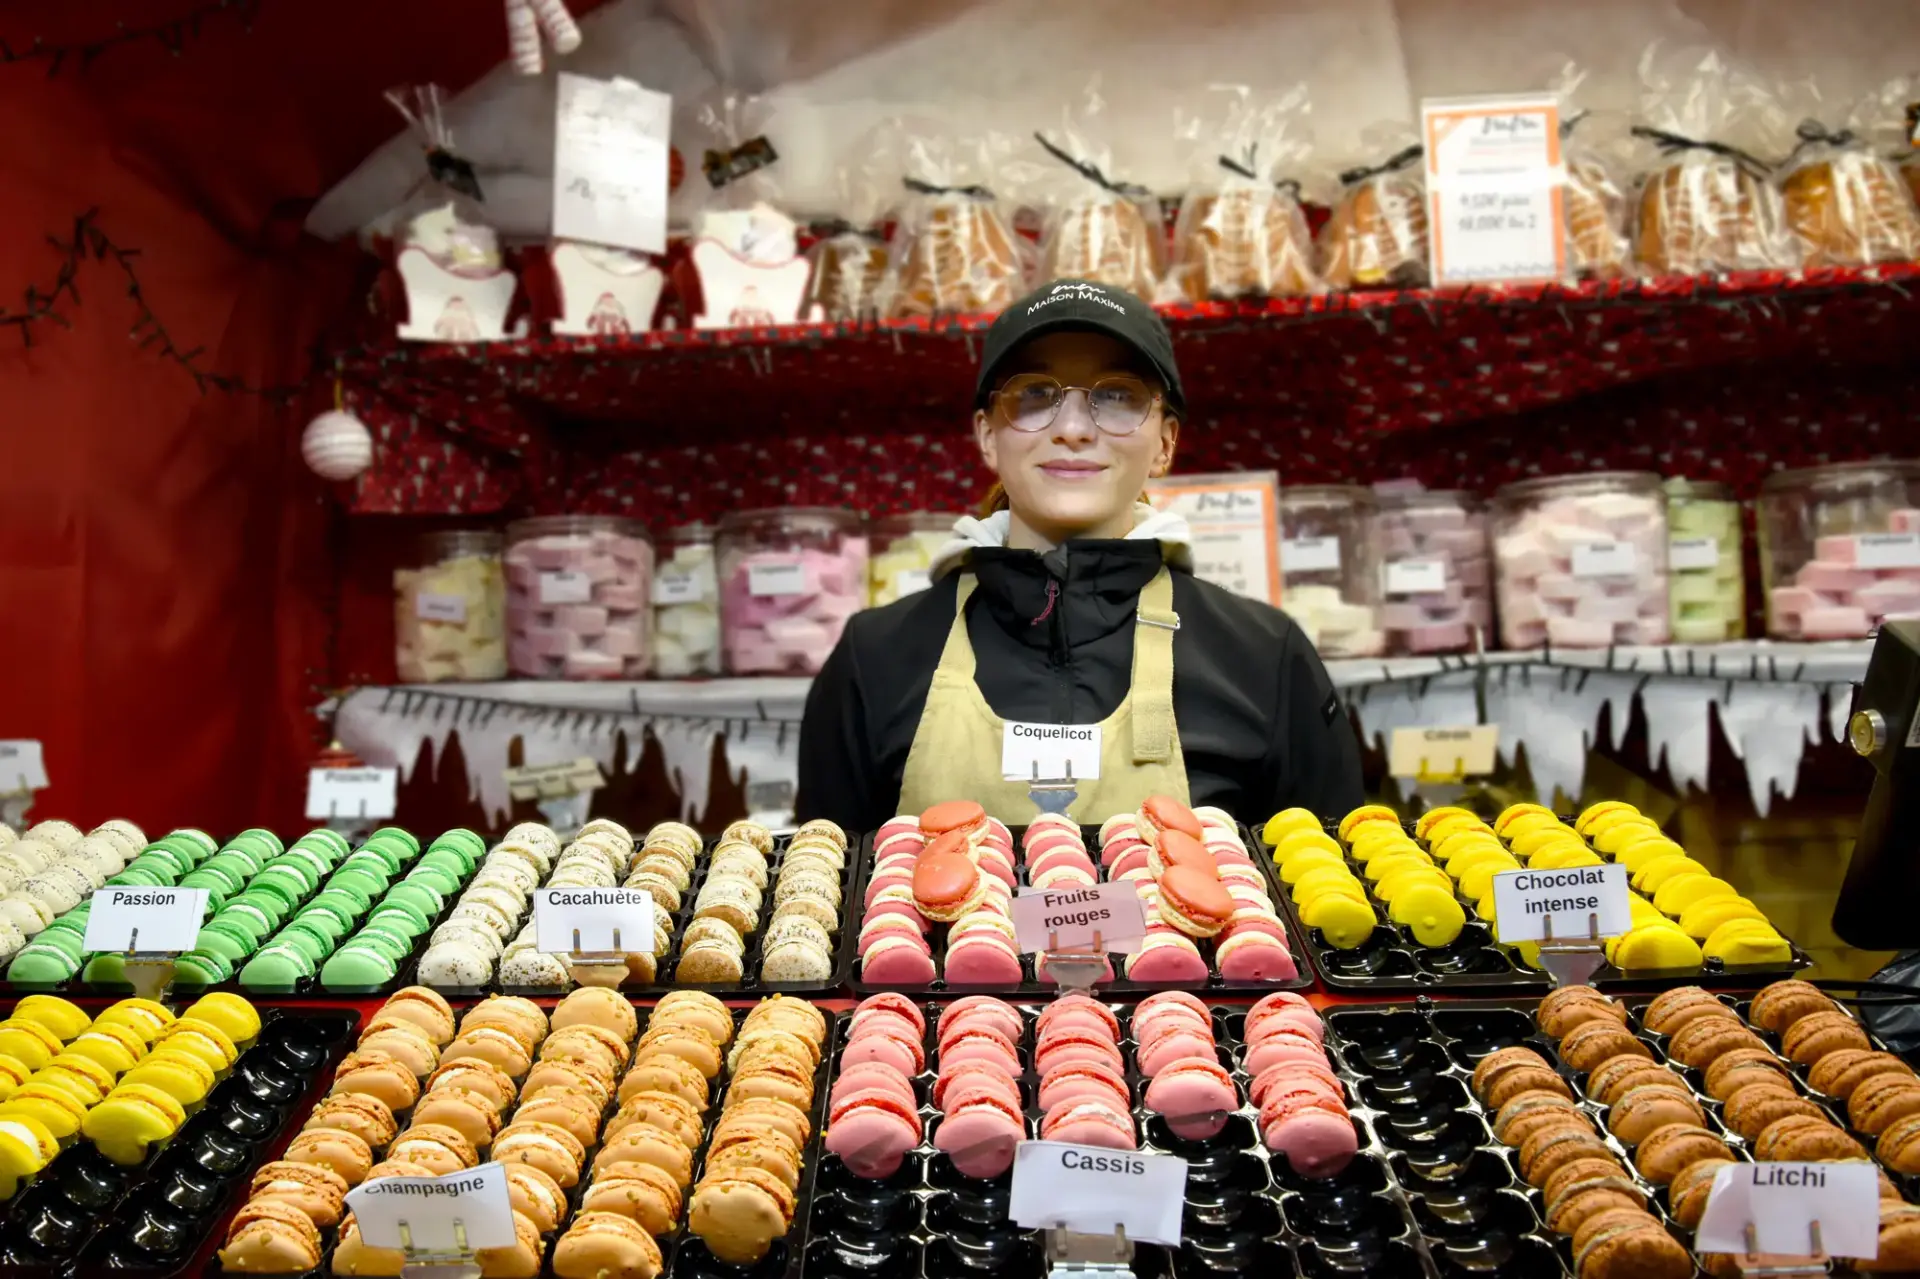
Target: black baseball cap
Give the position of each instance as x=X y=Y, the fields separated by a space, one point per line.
x=1081 y=306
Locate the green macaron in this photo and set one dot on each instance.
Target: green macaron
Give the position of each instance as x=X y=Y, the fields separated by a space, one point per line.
x=364 y=880
x=419 y=894
x=403 y=914
x=276 y=968
x=331 y=838
x=207 y=843
x=197 y=969
x=402 y=835
x=462 y=838
x=226 y=937
x=151 y=875
x=284 y=883
x=438 y=878
x=247 y=914
x=264 y=835
x=357 y=969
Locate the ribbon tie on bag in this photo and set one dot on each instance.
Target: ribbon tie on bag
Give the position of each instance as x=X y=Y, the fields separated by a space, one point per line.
x=1395 y=162
x=1090 y=171
x=454 y=172
x=919 y=187
x=1669 y=143
x=1814 y=133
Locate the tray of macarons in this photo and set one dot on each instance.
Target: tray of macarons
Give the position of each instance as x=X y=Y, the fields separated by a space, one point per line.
x=1287 y=1172
x=135 y=1129
x=746 y=913
x=680 y=1139
x=1579 y=1134
x=1399 y=908
x=933 y=895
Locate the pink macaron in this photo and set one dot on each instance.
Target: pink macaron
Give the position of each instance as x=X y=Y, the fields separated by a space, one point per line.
x=903 y=825
x=1315 y=1136
x=1167 y=960
x=980 y=1135
x=1177 y=1004
x=1133 y=859
x=1283 y=1010
x=1050 y=840
x=899 y=901
x=871 y=1076
x=883 y=880
x=1225 y=855
x=1253 y=919
x=1061 y=1046
x=1119 y=846
x=1169 y=1043
x=980 y=1043
x=1296 y=1074
x=1285 y=1044
x=1254 y=956
x=871 y=1132
x=1084 y=1081
x=997 y=1013
x=1090 y=1123
x=1081 y=1011
x=896 y=961
x=1054 y=855
x=981 y=959
x=892 y=926
x=1194 y=1095
x=1241 y=873
x=887 y=1002
x=993 y=1074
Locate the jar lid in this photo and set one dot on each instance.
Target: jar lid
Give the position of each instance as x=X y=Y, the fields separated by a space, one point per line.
x=1699 y=490
x=549 y=525
x=1580 y=480
x=1842 y=475
x=1325 y=495
x=827 y=518
x=1407 y=499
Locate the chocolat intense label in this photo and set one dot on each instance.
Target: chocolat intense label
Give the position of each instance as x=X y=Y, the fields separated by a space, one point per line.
x=1574 y=902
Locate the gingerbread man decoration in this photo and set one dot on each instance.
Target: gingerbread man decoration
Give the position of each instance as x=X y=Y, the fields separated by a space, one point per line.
x=527 y=20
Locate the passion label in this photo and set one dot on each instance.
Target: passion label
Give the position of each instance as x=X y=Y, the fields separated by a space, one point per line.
x=126 y=917
x=1090 y=1190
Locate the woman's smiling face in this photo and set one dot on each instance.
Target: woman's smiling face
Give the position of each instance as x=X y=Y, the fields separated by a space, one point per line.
x=1071 y=479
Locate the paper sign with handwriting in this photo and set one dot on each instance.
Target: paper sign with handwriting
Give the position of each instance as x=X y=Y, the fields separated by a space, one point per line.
x=23 y=766
x=1069 y=918
x=1495 y=188
x=610 y=163
x=131 y=917
x=357 y=793
x=476 y=1198
x=1526 y=902
x=1234 y=522
x=1090 y=1190
x=594 y=915
x=1783 y=1200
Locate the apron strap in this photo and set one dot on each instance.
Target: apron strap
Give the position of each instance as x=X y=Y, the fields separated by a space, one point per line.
x=1154 y=628
x=957 y=657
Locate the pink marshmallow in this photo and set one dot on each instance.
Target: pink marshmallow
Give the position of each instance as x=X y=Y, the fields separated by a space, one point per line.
x=1837 y=549
x=1906 y=520
x=623 y=596
x=1440 y=638
x=588 y=665
x=1831 y=577
x=1571 y=632
x=1835 y=623
x=585 y=620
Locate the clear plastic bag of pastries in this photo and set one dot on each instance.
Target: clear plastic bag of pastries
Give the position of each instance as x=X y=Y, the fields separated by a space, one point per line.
x=1241 y=231
x=954 y=248
x=1705 y=203
x=443 y=214
x=1377 y=236
x=851 y=276
x=1596 y=203
x=1096 y=226
x=1845 y=204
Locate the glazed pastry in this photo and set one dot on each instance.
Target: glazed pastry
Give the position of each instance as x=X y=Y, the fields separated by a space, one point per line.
x=1844 y=204
x=850 y=272
x=1701 y=213
x=956 y=253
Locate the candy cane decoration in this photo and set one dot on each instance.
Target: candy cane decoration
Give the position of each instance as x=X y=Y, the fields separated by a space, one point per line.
x=526 y=19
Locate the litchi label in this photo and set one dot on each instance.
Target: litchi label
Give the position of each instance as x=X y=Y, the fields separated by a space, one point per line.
x=1091 y=1189
x=1781 y=1203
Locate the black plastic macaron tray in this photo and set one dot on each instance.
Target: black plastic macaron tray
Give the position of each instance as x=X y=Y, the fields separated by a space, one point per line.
x=1247 y=1211
x=1032 y=984
x=683 y=1254
x=1392 y=962
x=84 y=1215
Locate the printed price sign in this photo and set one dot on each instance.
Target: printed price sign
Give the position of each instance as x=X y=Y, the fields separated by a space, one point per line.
x=334 y=793
x=1235 y=527
x=1526 y=901
x=428 y=1207
x=1051 y=749
x=596 y=916
x=1090 y=1189
x=610 y=163
x=1071 y=918
x=1468 y=751
x=127 y=918
x=566 y=587
x=1781 y=1201
x=554 y=781
x=1416 y=577
x=1495 y=188
x=23 y=766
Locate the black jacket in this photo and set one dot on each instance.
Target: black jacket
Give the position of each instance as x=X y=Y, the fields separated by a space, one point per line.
x=1259 y=723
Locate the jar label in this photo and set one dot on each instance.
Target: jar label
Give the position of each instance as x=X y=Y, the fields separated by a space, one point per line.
x=1685 y=553
x=566 y=587
x=1887 y=550
x=1416 y=577
x=777 y=577
x=1605 y=559
x=1310 y=555
x=441 y=608
x=679 y=588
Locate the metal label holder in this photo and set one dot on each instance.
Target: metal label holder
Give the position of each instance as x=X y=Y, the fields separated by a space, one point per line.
x=1572 y=961
x=1454 y=777
x=598 y=967
x=1071 y=1253
x=1075 y=969
x=1053 y=794
x=1773 y=1265
x=457 y=1263
x=149 y=972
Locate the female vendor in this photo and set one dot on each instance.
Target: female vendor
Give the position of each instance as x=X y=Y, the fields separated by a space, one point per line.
x=1074 y=603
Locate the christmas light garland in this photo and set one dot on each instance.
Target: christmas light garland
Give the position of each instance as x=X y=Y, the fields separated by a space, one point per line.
x=172 y=35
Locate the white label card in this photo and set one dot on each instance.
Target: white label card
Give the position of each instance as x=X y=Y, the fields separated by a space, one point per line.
x=1887 y=550
x=566 y=587
x=911 y=581
x=596 y=915
x=334 y=793
x=1783 y=1200
x=1070 y=918
x=1495 y=185
x=1526 y=902
x=610 y=163
x=777 y=577
x=23 y=766
x=130 y=917
x=477 y=1198
x=1233 y=528
x=1090 y=1190
x=554 y=781
x=1310 y=555
x=670 y=589
x=1684 y=553
x=1467 y=751
x=1050 y=752
x=1605 y=559
x=1416 y=577
x=440 y=608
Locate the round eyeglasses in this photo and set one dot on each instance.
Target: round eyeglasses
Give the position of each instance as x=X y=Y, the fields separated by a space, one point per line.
x=1029 y=402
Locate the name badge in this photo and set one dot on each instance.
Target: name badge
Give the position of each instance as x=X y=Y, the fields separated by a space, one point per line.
x=1090 y=1190
x=1051 y=749
x=477 y=1198
x=595 y=913
x=128 y=917
x=1781 y=1201
x=1525 y=901
x=1069 y=919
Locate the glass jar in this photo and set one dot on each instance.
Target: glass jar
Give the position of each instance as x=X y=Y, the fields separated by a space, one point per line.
x=448 y=609
x=1840 y=548
x=1330 y=567
x=1706 y=564
x=579 y=597
x=1436 y=585
x=686 y=605
x=1580 y=561
x=903 y=551
x=790 y=577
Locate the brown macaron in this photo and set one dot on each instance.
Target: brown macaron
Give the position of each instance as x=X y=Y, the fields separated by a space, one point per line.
x=598 y=1245
x=330 y=1148
x=739 y=1213
x=565 y=1076
x=1665 y=1152
x=520 y=1259
x=642 y=1193
x=318 y=1192
x=1518 y=1079
x=537 y=1196
x=1608 y=1081
x=523 y=1016
x=271 y=1237
x=551 y=1149
x=1593 y=1042
x=597 y=1006
x=752 y=1115
x=1732 y=1071
x=1588 y=1196
x=377 y=1074
x=689 y=1042
x=1899 y=1146
x=483 y=1077
x=461 y=1109
x=662 y=1109
x=666 y=1073
x=1674 y=1009
x=1689 y=1191
x=1899 y=1241
x=367 y=1118
x=770 y=1150
x=425 y=1008
x=1881 y=1100
x=1579 y=1169
x=1753 y=1109
x=353 y=1255
x=584 y=1043
x=1503 y=1059
x=694 y=1008
x=644 y=1143
x=1805 y=1137
x=1838 y=1073
x=1814 y=1035
x=1607 y=1220
x=439 y=1148
x=505 y=1046
x=1778 y=1006
x=1522 y=1115
x=1705 y=1040
x=1653 y=1105
x=1572 y=1006
x=406 y=1042
x=784 y=1012
x=578 y=1112
x=1549 y=1148
x=1642 y=1249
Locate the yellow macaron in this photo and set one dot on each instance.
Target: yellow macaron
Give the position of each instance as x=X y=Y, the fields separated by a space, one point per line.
x=143 y=1015
x=175 y=1071
x=1588 y=815
x=132 y=1117
x=235 y=1017
x=1368 y=814
x=31 y=1042
x=201 y=1038
x=1700 y=919
x=114 y=1045
x=56 y=1014
x=79 y=1074
x=52 y=1106
x=25 y=1148
x=1344 y=922
x=1286 y=822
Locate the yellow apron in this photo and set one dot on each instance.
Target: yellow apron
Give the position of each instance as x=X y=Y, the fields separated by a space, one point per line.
x=956 y=748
